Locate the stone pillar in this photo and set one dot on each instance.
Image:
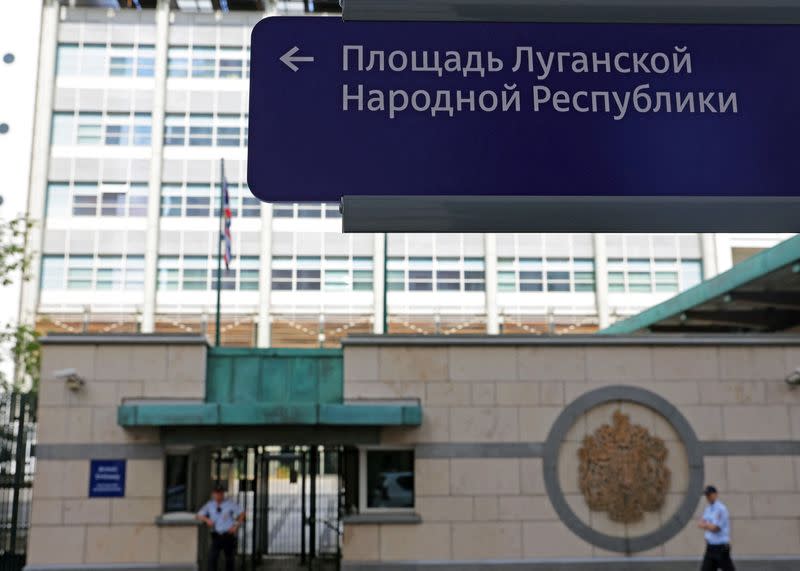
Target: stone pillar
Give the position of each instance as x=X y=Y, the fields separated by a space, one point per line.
x=490 y=263
x=265 y=278
x=156 y=162
x=708 y=249
x=378 y=282
x=601 y=280
x=40 y=157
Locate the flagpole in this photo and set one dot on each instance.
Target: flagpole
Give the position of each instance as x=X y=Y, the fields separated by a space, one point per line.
x=217 y=331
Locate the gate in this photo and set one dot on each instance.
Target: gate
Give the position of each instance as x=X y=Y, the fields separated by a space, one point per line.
x=292 y=497
x=17 y=439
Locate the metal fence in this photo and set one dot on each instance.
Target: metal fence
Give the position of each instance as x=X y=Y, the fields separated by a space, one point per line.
x=17 y=463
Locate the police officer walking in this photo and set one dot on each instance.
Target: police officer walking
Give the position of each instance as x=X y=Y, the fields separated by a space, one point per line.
x=224 y=517
x=717 y=527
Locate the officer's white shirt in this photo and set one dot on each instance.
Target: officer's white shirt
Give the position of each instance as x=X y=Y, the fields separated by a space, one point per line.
x=717 y=514
x=222 y=515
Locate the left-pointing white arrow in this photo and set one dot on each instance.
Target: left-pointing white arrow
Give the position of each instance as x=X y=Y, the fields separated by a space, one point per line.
x=289 y=58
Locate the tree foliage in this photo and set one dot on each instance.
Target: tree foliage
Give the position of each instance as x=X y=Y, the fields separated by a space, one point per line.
x=18 y=343
x=25 y=352
x=15 y=260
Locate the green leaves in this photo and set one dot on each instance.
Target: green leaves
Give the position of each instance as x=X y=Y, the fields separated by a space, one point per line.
x=25 y=352
x=14 y=258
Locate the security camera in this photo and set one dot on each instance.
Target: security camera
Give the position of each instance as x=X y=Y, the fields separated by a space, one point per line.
x=71 y=377
x=794 y=377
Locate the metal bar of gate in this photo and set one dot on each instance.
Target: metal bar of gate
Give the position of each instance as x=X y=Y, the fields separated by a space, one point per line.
x=19 y=469
x=254 y=521
x=312 y=502
x=303 y=520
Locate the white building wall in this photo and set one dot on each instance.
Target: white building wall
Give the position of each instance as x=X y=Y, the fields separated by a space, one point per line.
x=303 y=266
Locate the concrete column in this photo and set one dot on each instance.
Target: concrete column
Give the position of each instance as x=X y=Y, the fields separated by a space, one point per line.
x=708 y=249
x=156 y=163
x=378 y=282
x=265 y=278
x=601 y=280
x=723 y=252
x=40 y=157
x=490 y=263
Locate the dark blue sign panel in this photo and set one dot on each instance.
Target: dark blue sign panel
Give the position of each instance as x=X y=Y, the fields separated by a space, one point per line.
x=107 y=479
x=444 y=108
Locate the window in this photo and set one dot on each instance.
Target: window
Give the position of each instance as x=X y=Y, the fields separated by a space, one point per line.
x=94 y=128
x=199 y=273
x=282 y=272
x=313 y=273
x=308 y=273
x=387 y=479
x=658 y=275
x=208 y=61
x=205 y=129
x=176 y=483
x=306 y=210
x=93 y=199
x=202 y=199
x=105 y=60
x=102 y=272
x=53 y=267
x=443 y=273
x=558 y=275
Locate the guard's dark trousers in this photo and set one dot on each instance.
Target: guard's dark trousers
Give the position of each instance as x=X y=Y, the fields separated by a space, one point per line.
x=717 y=557
x=225 y=543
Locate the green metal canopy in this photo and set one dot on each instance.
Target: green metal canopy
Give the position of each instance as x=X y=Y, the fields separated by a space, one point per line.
x=760 y=294
x=248 y=387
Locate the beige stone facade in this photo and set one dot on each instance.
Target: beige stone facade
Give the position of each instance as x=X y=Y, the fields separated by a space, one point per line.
x=482 y=497
x=68 y=527
x=482 y=393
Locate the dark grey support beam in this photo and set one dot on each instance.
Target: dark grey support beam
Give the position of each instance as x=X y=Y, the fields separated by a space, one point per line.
x=569 y=214
x=762 y=319
x=780 y=300
x=620 y=11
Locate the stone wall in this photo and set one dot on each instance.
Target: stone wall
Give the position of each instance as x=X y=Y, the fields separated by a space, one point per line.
x=489 y=407
x=68 y=527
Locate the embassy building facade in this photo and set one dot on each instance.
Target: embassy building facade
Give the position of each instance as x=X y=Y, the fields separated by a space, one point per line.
x=438 y=451
x=136 y=106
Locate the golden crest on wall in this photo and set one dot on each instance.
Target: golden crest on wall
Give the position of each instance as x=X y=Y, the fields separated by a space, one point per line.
x=623 y=470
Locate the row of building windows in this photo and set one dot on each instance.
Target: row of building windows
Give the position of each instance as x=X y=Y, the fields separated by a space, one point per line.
x=130 y=199
x=418 y=273
x=202 y=199
x=643 y=275
x=305 y=210
x=131 y=60
x=315 y=273
x=205 y=129
x=96 y=199
x=92 y=272
x=199 y=273
x=343 y=273
x=545 y=274
x=105 y=60
x=101 y=128
x=208 y=61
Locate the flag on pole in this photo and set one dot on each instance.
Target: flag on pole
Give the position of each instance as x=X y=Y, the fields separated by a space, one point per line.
x=226 y=213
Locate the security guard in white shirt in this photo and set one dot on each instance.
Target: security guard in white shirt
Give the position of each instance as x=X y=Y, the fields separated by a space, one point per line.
x=224 y=517
x=717 y=527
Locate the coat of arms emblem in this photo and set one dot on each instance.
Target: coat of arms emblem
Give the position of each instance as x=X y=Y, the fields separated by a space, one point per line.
x=623 y=471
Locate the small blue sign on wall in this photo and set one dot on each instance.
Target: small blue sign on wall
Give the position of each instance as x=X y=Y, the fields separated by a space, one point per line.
x=107 y=479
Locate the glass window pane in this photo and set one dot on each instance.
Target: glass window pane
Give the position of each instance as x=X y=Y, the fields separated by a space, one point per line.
x=390 y=478
x=57 y=199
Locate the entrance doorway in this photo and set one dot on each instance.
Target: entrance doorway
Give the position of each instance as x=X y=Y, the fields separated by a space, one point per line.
x=292 y=497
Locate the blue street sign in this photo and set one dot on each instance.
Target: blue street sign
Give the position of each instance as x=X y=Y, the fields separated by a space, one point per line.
x=107 y=479
x=444 y=108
